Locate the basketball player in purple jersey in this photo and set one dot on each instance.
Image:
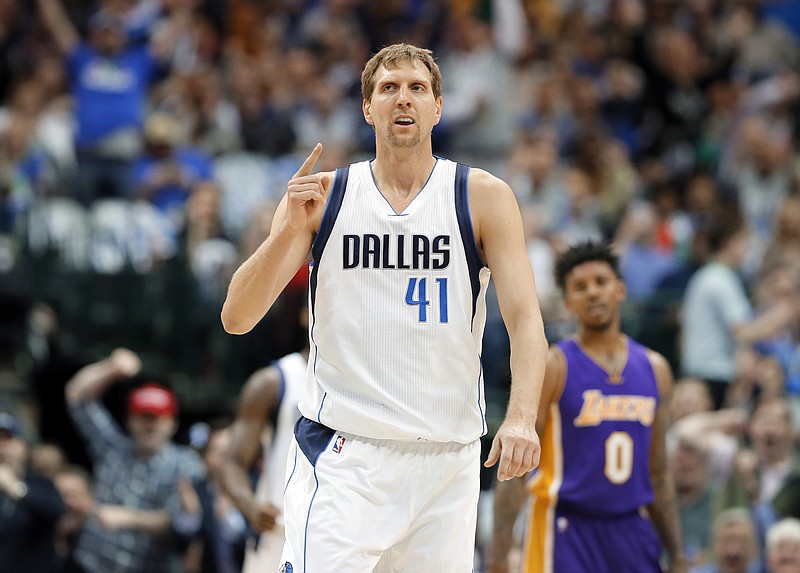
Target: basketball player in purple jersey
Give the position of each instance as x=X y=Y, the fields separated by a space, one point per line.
x=602 y=499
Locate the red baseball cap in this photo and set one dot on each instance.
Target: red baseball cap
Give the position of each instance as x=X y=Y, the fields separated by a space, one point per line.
x=152 y=399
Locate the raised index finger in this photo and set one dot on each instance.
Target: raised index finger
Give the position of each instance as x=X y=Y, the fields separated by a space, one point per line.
x=308 y=164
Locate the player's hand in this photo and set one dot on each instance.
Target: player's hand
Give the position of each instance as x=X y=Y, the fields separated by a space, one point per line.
x=516 y=447
x=262 y=516
x=304 y=195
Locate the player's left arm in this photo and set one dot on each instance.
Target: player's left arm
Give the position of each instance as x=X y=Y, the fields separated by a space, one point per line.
x=498 y=231
x=664 y=508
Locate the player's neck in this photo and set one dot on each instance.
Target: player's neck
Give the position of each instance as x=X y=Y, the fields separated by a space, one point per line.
x=607 y=341
x=608 y=348
x=400 y=174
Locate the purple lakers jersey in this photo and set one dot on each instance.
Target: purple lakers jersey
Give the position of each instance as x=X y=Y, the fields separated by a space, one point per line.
x=595 y=449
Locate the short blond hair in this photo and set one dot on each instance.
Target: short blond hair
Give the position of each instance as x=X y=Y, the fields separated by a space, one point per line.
x=390 y=57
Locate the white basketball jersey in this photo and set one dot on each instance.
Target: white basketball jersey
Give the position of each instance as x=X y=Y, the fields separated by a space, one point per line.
x=397 y=308
x=270 y=486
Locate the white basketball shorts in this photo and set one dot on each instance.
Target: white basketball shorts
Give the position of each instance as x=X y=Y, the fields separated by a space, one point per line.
x=358 y=505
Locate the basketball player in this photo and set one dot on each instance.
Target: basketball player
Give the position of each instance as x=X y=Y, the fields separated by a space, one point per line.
x=384 y=469
x=268 y=401
x=603 y=496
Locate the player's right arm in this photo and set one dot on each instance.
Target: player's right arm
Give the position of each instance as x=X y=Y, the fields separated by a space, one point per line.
x=257 y=283
x=510 y=495
x=259 y=397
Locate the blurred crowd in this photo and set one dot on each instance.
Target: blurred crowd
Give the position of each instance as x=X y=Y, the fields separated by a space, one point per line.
x=144 y=145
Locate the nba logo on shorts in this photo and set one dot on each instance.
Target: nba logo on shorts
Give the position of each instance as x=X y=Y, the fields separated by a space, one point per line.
x=339 y=444
x=286 y=568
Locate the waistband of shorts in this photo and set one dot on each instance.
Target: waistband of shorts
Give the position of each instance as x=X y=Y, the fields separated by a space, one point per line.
x=577 y=510
x=416 y=446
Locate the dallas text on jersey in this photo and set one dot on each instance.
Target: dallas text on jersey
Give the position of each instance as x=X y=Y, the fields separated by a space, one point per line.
x=387 y=251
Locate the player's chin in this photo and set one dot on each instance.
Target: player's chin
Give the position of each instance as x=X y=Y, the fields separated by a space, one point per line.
x=597 y=323
x=405 y=139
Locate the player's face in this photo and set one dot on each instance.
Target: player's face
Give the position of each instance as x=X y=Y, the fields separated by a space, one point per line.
x=593 y=293
x=403 y=109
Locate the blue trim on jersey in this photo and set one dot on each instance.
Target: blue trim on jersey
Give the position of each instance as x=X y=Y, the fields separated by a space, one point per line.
x=311 y=342
x=291 y=474
x=308 y=519
x=474 y=262
x=313 y=438
x=321 y=402
x=332 y=208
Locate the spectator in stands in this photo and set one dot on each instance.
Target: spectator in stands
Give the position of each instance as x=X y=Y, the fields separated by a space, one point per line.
x=210 y=257
x=716 y=433
x=761 y=174
x=689 y=396
x=783 y=546
x=734 y=546
x=761 y=46
x=30 y=506
x=690 y=466
x=536 y=176
x=50 y=115
x=326 y=117
x=184 y=37
x=766 y=477
x=168 y=169
x=784 y=245
x=74 y=485
x=47 y=459
x=266 y=127
x=717 y=313
x=136 y=477
x=582 y=221
x=782 y=280
x=479 y=117
x=642 y=261
x=613 y=181
x=25 y=172
x=210 y=524
x=109 y=79
x=214 y=120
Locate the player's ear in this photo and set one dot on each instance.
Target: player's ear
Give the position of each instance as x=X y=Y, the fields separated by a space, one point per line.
x=367 y=115
x=438 y=115
x=622 y=289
